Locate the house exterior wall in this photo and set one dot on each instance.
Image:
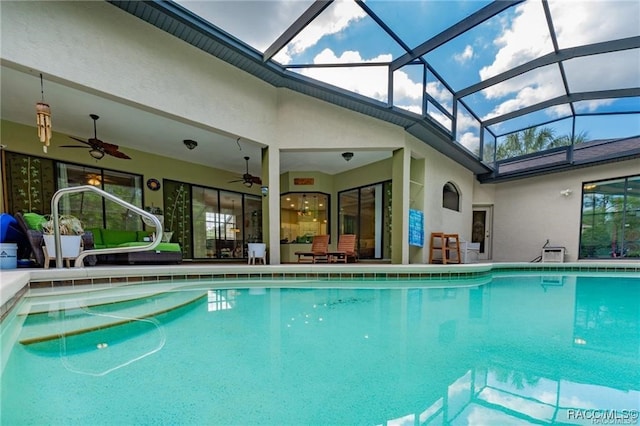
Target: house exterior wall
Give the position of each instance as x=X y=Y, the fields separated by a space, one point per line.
x=77 y=43
x=438 y=170
x=529 y=211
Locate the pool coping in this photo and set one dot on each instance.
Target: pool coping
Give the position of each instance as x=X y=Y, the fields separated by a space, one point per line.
x=14 y=284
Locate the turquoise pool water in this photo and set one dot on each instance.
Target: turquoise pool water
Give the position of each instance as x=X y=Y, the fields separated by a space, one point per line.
x=516 y=350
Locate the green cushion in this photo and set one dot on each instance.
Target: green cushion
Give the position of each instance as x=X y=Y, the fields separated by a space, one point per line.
x=140 y=235
x=97 y=237
x=112 y=237
x=161 y=247
x=34 y=220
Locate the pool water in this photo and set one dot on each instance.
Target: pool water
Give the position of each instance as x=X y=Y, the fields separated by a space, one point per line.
x=517 y=350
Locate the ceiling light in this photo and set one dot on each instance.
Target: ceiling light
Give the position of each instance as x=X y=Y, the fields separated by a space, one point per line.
x=96 y=153
x=190 y=144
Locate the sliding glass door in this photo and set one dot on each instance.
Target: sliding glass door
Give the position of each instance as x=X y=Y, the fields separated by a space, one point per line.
x=366 y=212
x=222 y=223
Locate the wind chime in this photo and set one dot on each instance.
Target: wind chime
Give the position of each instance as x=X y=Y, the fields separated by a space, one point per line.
x=43 y=119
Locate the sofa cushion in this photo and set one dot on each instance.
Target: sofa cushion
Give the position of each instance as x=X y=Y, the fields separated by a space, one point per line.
x=97 y=237
x=114 y=237
x=174 y=247
x=34 y=220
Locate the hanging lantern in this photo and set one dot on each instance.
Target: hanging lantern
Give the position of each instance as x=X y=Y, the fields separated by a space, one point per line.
x=43 y=119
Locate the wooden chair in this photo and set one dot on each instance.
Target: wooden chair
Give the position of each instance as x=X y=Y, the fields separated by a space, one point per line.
x=447 y=246
x=346 y=249
x=319 y=248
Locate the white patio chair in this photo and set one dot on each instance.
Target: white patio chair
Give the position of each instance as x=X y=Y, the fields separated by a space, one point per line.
x=257 y=251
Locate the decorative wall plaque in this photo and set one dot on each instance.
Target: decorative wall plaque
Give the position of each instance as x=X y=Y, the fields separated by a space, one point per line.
x=303 y=181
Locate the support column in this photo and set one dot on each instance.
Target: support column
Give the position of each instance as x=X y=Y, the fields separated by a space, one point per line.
x=400 y=179
x=271 y=203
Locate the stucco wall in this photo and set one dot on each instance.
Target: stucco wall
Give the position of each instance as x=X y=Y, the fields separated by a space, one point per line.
x=311 y=123
x=438 y=171
x=99 y=47
x=527 y=212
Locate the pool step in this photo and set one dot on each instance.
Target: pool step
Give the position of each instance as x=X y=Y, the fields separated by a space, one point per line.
x=46 y=303
x=73 y=318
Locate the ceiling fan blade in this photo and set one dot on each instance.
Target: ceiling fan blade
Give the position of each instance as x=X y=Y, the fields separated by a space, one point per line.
x=75 y=146
x=256 y=179
x=237 y=180
x=117 y=154
x=80 y=140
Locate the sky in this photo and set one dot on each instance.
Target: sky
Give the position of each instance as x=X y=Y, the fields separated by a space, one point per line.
x=345 y=34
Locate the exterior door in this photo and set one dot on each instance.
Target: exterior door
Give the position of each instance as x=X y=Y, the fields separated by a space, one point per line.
x=481 y=231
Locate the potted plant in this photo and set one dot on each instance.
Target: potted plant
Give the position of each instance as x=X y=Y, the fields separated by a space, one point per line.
x=71 y=231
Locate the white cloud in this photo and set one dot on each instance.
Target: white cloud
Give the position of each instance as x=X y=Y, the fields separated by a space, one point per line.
x=526 y=37
x=586 y=22
x=440 y=118
x=369 y=81
x=407 y=91
x=471 y=141
x=467 y=121
x=465 y=55
x=613 y=70
x=333 y=20
x=416 y=109
x=526 y=90
x=441 y=94
x=257 y=23
x=468 y=132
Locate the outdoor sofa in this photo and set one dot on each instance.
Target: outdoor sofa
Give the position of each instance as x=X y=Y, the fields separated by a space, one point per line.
x=31 y=225
x=109 y=238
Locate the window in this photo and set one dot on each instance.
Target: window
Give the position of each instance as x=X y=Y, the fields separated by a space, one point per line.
x=450 y=197
x=610 y=225
x=92 y=209
x=302 y=216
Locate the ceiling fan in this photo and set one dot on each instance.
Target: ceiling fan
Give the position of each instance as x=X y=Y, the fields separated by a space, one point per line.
x=248 y=179
x=97 y=148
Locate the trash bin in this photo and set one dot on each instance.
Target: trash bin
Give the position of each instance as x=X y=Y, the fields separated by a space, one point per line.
x=8 y=256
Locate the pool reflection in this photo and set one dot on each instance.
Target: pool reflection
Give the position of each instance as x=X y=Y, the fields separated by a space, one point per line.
x=536 y=361
x=504 y=353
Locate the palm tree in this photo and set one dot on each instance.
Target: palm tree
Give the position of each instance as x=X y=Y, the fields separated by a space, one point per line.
x=565 y=140
x=525 y=142
x=534 y=140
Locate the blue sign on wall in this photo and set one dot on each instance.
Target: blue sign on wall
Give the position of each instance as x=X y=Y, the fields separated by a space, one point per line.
x=416 y=228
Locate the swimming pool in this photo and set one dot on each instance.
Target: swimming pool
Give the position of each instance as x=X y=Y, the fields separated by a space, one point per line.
x=515 y=349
